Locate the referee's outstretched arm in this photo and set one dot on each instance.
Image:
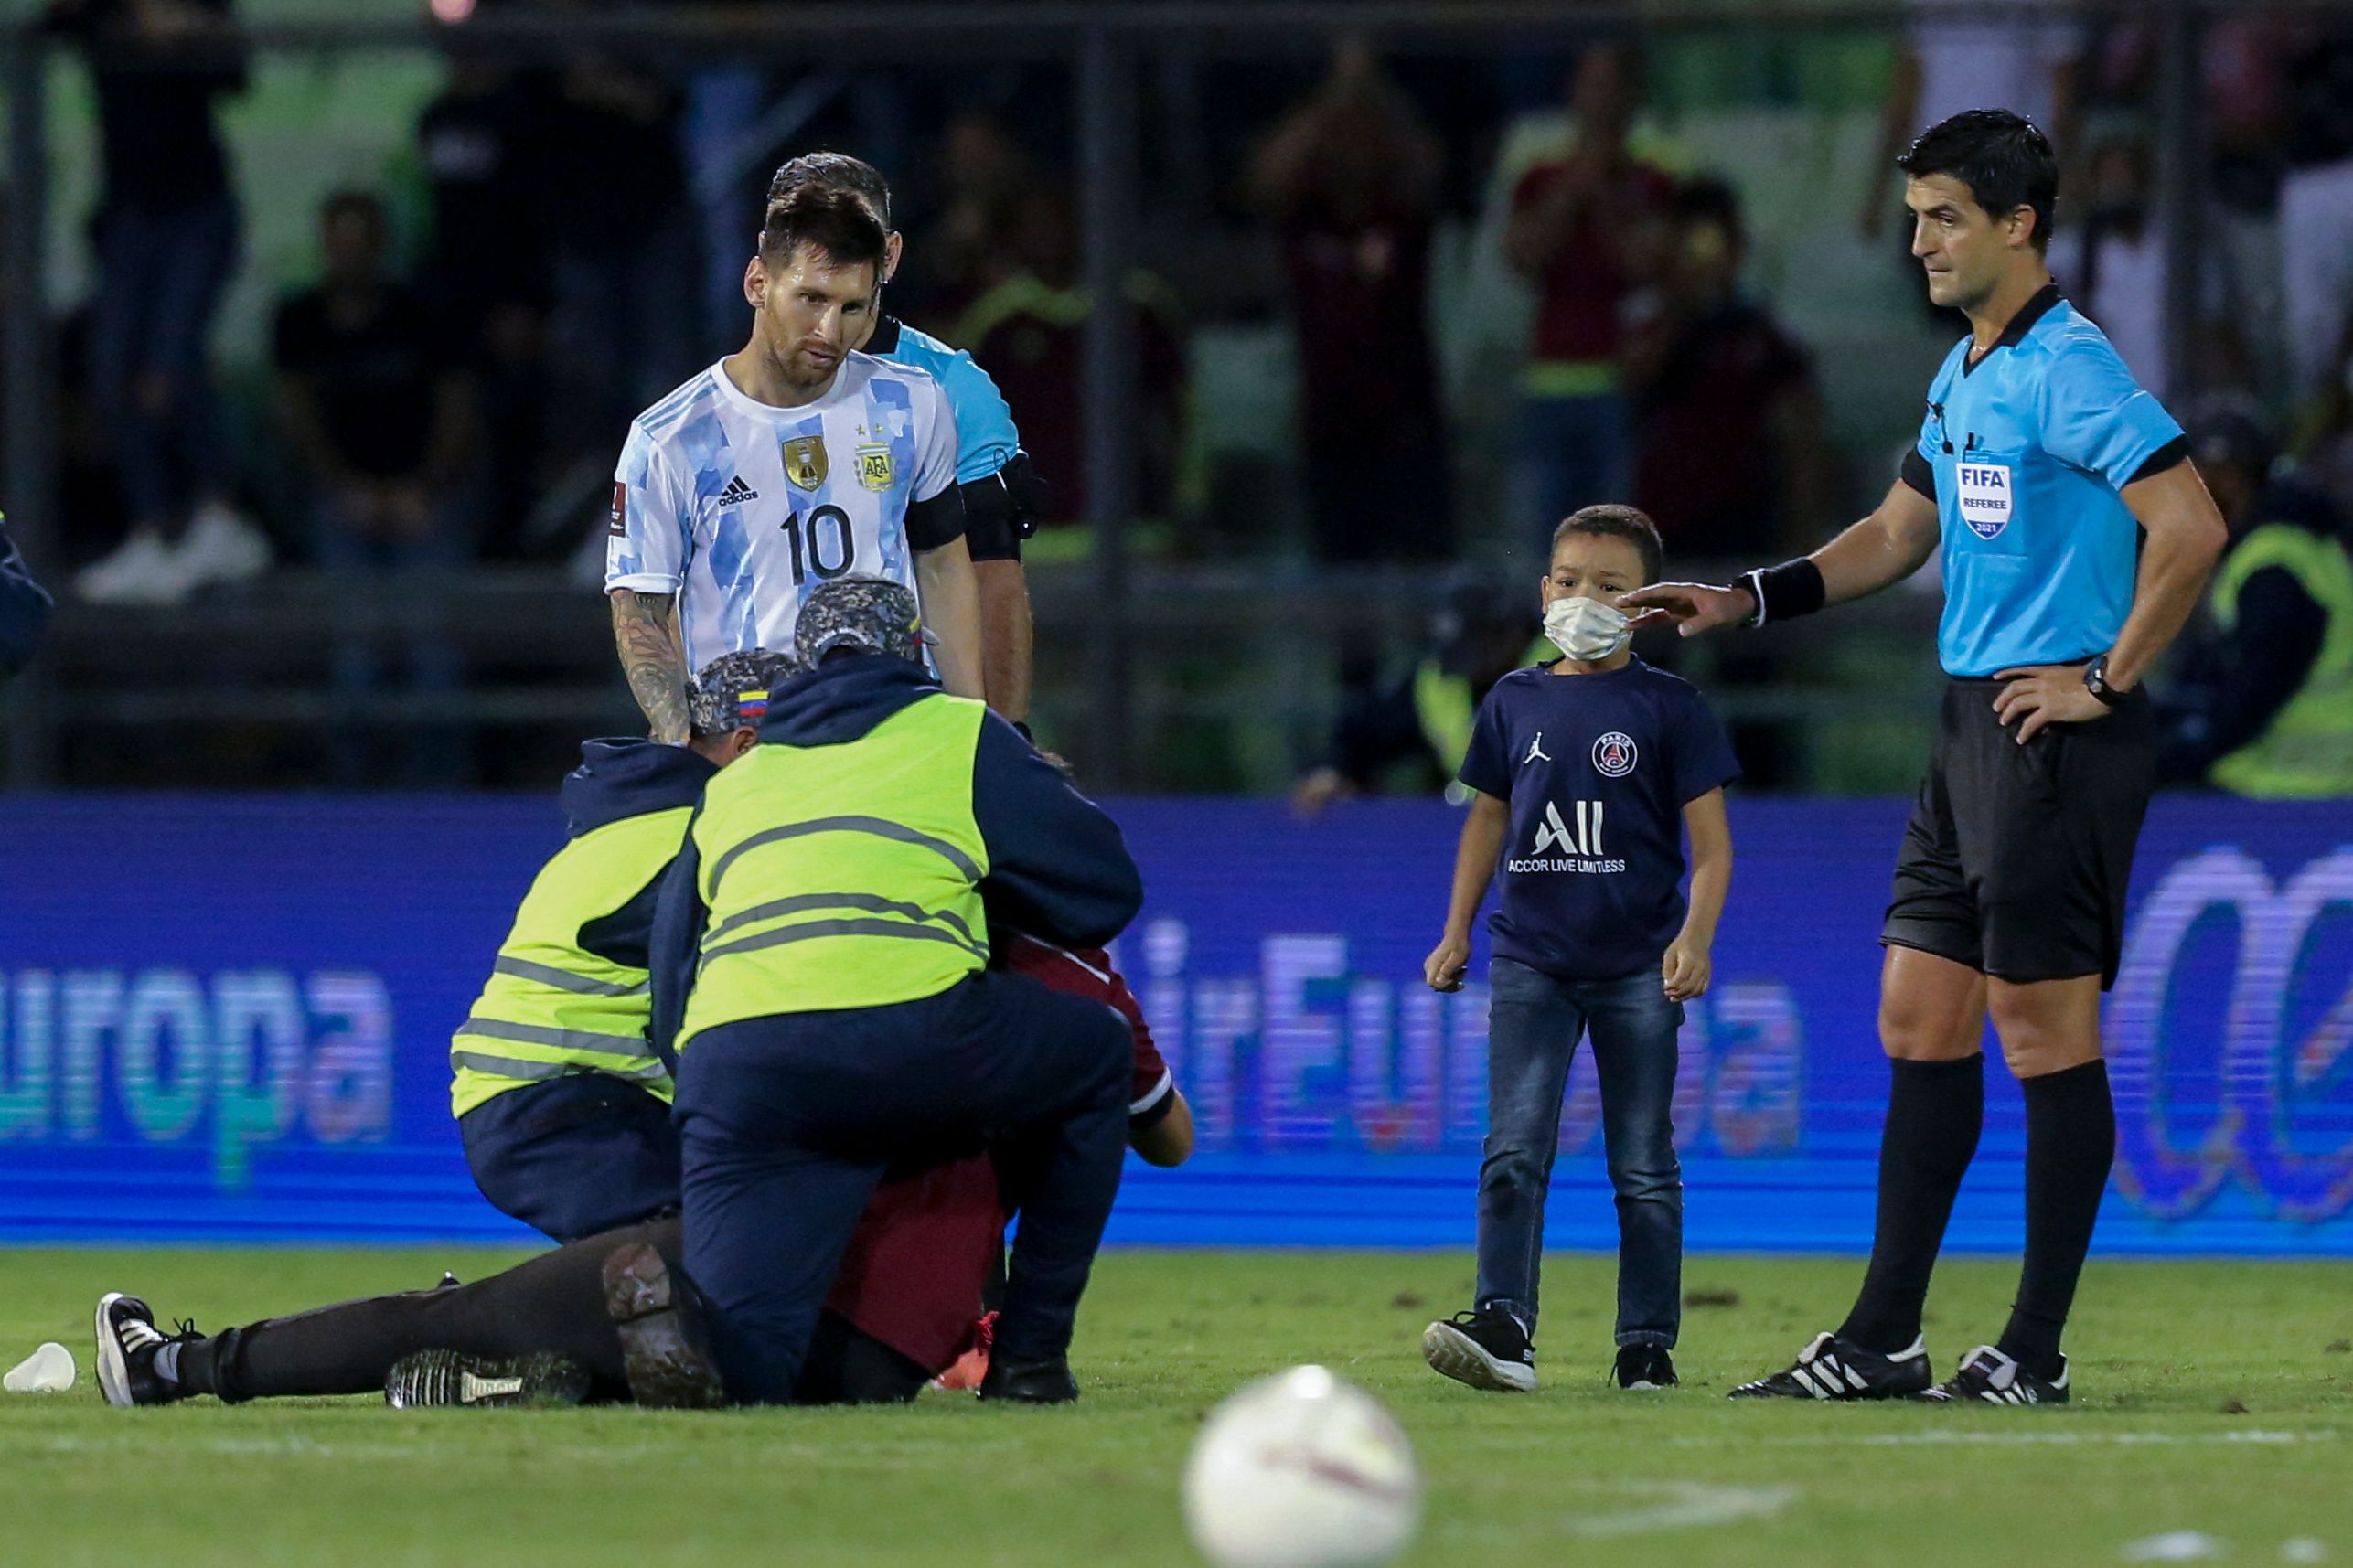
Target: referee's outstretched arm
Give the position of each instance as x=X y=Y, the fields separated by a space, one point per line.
x=1887 y=545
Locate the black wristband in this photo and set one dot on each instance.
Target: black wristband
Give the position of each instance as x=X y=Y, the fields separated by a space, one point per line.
x=1784 y=592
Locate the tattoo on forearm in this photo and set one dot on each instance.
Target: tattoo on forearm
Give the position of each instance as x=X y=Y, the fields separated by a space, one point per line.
x=651 y=659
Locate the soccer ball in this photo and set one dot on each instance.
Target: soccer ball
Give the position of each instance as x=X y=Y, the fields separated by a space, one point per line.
x=1301 y=1470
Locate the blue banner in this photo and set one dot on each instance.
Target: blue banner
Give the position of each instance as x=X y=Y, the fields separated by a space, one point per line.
x=226 y=1019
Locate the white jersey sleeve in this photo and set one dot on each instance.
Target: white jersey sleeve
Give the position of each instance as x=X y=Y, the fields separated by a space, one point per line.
x=935 y=442
x=651 y=537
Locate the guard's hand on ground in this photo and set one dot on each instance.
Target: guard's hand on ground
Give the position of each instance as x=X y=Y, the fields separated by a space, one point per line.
x=1444 y=966
x=1686 y=970
x=2045 y=694
x=1694 y=607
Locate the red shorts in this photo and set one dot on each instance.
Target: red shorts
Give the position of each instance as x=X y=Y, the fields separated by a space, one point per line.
x=923 y=1253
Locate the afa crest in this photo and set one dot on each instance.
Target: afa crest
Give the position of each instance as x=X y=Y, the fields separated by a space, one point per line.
x=805 y=461
x=876 y=470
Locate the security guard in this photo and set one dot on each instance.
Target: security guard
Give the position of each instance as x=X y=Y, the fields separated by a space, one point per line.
x=2272 y=715
x=564 y=1106
x=819 y=968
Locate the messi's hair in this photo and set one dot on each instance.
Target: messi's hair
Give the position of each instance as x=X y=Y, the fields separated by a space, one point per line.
x=832 y=171
x=837 y=224
x=1611 y=522
x=2002 y=157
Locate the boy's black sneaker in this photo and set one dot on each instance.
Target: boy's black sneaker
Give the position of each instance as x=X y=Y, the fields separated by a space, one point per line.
x=1485 y=1349
x=1994 y=1379
x=665 y=1350
x=1833 y=1368
x=1643 y=1367
x=128 y=1340
x=434 y=1379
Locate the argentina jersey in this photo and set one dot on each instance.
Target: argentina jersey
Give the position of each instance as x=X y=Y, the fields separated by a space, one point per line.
x=2025 y=454
x=985 y=437
x=741 y=510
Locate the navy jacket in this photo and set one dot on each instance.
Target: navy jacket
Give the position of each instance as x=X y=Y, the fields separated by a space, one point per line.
x=617 y=780
x=1058 y=868
x=24 y=607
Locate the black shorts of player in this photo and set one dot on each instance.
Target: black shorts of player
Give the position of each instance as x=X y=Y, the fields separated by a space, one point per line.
x=2015 y=860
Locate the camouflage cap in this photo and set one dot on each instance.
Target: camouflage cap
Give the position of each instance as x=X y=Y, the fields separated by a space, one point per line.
x=732 y=690
x=868 y=614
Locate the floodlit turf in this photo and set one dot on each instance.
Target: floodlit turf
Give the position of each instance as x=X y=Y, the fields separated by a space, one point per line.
x=2213 y=1397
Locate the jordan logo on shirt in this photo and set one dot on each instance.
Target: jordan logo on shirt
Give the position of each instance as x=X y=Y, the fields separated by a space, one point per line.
x=1536 y=752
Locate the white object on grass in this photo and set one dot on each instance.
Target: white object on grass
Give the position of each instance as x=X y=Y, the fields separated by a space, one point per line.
x=1301 y=1470
x=48 y=1370
x=2175 y=1546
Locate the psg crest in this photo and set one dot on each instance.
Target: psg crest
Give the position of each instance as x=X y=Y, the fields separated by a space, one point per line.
x=1613 y=754
x=805 y=463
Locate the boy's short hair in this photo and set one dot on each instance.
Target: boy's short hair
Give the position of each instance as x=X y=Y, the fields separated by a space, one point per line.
x=1612 y=521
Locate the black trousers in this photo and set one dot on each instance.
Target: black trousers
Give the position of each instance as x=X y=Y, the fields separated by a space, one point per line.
x=788 y=1122
x=554 y=1303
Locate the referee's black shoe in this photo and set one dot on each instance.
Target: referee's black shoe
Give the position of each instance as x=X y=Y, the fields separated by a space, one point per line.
x=1485 y=1349
x=1833 y=1368
x=1046 y=1382
x=1992 y=1378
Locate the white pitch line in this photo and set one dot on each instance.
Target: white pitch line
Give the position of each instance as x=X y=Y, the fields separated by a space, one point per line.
x=1944 y=1438
x=1682 y=1505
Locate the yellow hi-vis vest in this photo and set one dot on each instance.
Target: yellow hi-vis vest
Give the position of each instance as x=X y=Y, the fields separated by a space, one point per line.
x=553 y=1007
x=2306 y=750
x=842 y=876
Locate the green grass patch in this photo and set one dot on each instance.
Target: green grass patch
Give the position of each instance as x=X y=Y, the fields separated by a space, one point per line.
x=2209 y=1398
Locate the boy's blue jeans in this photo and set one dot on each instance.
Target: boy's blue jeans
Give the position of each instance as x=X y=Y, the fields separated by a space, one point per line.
x=1534 y=1022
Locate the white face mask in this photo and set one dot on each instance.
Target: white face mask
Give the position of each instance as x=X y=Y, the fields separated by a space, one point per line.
x=1586 y=629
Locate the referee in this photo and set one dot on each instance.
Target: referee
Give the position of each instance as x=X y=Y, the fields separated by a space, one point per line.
x=2038 y=458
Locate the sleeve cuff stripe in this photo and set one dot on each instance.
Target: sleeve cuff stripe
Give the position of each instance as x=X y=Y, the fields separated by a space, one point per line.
x=1161 y=1091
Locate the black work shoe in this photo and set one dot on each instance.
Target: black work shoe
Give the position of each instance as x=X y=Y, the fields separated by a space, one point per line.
x=1486 y=1348
x=1029 y=1382
x=430 y=1379
x=1989 y=1376
x=665 y=1352
x=128 y=1340
x=1833 y=1368
x=1643 y=1367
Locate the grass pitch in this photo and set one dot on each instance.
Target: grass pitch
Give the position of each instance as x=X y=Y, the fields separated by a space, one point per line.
x=2212 y=1397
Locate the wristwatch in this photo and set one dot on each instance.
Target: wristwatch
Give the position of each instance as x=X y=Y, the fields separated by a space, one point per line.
x=2095 y=681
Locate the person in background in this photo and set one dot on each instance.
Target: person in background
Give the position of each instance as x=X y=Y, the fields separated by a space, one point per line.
x=379 y=408
x=24 y=607
x=2269 y=709
x=1350 y=178
x=1590 y=232
x=1419 y=725
x=1732 y=457
x=166 y=236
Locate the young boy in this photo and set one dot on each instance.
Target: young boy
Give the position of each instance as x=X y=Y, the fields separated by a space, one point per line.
x=1587 y=771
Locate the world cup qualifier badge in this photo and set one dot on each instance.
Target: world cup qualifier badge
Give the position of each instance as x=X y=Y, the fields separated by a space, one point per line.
x=619 y=524
x=1613 y=754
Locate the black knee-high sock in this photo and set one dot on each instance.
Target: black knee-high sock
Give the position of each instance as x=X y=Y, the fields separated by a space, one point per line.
x=1935 y=1110
x=2070 y=1144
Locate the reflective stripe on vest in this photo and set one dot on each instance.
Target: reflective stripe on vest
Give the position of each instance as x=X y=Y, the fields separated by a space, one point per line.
x=842 y=876
x=551 y=1007
x=2307 y=749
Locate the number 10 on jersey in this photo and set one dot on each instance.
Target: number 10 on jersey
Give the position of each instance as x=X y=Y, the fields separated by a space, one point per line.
x=821 y=543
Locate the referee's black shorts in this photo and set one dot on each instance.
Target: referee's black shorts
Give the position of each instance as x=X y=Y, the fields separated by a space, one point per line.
x=2015 y=860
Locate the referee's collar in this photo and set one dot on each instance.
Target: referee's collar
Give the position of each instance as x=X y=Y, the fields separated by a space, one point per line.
x=2046 y=299
x=886 y=337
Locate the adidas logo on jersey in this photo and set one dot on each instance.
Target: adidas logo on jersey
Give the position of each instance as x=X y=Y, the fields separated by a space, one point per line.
x=737 y=493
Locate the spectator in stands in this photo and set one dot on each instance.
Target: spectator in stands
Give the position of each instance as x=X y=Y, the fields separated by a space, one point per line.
x=24 y=607
x=2316 y=215
x=1590 y=232
x=486 y=270
x=2324 y=443
x=167 y=235
x=1411 y=734
x=1028 y=331
x=1350 y=178
x=378 y=409
x=2265 y=697
x=1732 y=459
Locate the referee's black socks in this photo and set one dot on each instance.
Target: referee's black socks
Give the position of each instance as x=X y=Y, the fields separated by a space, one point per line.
x=1935 y=1110
x=2070 y=1144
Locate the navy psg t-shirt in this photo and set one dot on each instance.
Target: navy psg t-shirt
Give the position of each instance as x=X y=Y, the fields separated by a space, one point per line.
x=1598 y=769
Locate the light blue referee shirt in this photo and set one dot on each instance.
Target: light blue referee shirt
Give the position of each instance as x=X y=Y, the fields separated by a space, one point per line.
x=985 y=439
x=2024 y=453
